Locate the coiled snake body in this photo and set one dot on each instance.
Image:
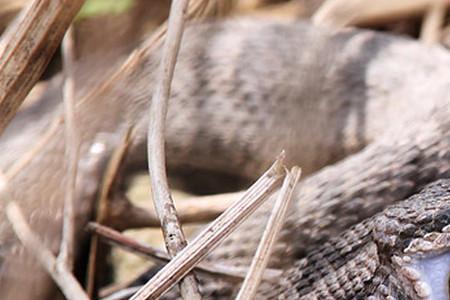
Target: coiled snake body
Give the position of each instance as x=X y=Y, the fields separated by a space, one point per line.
x=372 y=107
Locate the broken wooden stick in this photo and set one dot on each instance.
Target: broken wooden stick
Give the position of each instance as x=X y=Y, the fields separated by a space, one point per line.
x=116 y=238
x=213 y=234
x=26 y=48
x=273 y=227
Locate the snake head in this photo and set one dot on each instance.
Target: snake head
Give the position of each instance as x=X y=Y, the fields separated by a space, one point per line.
x=414 y=239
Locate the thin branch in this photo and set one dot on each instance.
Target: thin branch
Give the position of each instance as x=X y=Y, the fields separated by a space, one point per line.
x=340 y=13
x=67 y=247
x=103 y=208
x=125 y=215
x=213 y=234
x=164 y=206
x=26 y=48
x=219 y=270
x=433 y=22
x=60 y=274
x=273 y=227
x=122 y=294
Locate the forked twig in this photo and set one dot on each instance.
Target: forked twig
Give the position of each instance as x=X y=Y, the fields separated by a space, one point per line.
x=26 y=48
x=164 y=206
x=219 y=270
x=72 y=145
x=60 y=274
x=213 y=234
x=273 y=227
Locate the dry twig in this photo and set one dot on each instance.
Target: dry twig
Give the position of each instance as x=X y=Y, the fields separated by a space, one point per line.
x=26 y=48
x=125 y=215
x=118 y=239
x=67 y=247
x=273 y=227
x=433 y=22
x=213 y=234
x=164 y=206
x=109 y=177
x=340 y=13
x=62 y=276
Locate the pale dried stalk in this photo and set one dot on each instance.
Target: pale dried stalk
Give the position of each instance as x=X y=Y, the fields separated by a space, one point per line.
x=164 y=206
x=340 y=13
x=273 y=227
x=26 y=48
x=118 y=239
x=60 y=274
x=72 y=145
x=213 y=234
x=192 y=210
x=433 y=22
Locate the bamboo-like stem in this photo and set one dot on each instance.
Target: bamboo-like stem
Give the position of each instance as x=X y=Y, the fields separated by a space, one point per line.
x=213 y=234
x=26 y=48
x=60 y=274
x=273 y=227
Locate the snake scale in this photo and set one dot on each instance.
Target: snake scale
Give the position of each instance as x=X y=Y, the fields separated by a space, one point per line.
x=364 y=114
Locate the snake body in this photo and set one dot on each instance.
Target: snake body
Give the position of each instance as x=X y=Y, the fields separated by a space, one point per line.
x=371 y=106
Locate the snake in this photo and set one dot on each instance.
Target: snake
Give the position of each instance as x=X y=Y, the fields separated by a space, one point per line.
x=364 y=114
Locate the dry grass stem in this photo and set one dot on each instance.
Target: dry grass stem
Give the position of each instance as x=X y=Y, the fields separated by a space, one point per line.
x=122 y=294
x=103 y=209
x=125 y=215
x=213 y=234
x=72 y=146
x=433 y=22
x=60 y=274
x=116 y=238
x=273 y=227
x=164 y=206
x=340 y=13
x=26 y=48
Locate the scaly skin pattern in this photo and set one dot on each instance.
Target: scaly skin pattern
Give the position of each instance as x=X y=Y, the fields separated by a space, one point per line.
x=243 y=90
x=369 y=260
